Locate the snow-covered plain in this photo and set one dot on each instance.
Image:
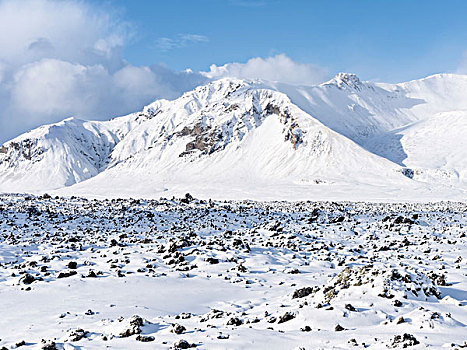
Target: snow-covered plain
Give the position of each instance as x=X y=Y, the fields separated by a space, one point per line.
x=152 y=274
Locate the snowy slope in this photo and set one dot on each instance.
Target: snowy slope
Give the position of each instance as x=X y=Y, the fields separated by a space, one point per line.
x=360 y=110
x=433 y=149
x=238 y=138
x=231 y=134
x=61 y=154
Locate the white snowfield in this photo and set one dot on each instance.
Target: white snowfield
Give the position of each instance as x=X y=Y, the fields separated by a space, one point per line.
x=159 y=274
x=235 y=139
x=357 y=240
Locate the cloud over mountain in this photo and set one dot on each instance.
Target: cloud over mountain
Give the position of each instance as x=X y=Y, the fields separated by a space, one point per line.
x=64 y=58
x=276 y=68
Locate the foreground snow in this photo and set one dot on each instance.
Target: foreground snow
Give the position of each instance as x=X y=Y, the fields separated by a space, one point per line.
x=140 y=274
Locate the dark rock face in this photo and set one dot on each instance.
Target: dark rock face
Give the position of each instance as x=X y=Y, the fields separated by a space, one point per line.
x=205 y=139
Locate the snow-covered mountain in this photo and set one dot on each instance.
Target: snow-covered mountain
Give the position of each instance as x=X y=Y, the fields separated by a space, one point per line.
x=240 y=139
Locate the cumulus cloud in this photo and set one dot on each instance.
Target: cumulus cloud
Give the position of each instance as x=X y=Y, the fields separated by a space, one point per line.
x=68 y=30
x=279 y=68
x=56 y=87
x=63 y=58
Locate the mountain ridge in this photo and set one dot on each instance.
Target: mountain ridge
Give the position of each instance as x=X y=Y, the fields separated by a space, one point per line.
x=263 y=133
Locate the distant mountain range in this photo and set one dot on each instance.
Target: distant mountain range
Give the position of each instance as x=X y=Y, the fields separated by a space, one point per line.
x=343 y=139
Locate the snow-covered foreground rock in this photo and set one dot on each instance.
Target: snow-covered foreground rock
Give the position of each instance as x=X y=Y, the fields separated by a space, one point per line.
x=139 y=274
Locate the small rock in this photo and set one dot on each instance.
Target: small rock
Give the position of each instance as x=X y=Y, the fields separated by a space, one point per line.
x=77 y=334
x=404 y=340
x=49 y=346
x=302 y=292
x=183 y=344
x=177 y=328
x=212 y=260
x=21 y=343
x=135 y=323
x=27 y=279
x=145 y=338
x=66 y=274
x=234 y=321
x=286 y=317
x=339 y=328
x=72 y=265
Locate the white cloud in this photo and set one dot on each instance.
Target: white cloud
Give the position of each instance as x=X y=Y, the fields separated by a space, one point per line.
x=69 y=30
x=55 y=87
x=51 y=89
x=63 y=58
x=276 y=68
x=181 y=40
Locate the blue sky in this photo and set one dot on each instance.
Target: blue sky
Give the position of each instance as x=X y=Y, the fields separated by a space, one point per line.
x=388 y=40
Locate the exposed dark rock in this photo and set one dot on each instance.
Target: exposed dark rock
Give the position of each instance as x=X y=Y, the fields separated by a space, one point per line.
x=212 y=260
x=234 y=321
x=145 y=338
x=27 y=279
x=302 y=292
x=404 y=341
x=183 y=344
x=339 y=328
x=286 y=317
x=66 y=274
x=177 y=328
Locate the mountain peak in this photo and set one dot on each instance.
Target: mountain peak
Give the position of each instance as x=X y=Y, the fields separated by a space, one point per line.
x=343 y=80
